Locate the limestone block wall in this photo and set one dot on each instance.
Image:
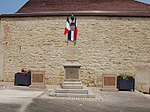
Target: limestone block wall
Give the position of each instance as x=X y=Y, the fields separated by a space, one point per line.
x=105 y=45
x=1 y=52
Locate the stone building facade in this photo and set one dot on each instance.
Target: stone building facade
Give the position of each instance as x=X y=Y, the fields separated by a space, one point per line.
x=113 y=37
x=105 y=45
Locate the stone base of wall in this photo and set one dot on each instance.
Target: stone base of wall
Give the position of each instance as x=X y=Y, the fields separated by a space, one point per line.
x=143 y=78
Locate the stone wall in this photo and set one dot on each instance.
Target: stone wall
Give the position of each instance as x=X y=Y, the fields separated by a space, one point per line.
x=143 y=78
x=105 y=45
x=1 y=52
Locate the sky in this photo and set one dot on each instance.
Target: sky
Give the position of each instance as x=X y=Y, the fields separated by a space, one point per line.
x=12 y=6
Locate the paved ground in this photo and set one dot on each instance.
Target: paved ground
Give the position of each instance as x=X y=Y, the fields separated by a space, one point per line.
x=125 y=101
x=26 y=100
x=16 y=99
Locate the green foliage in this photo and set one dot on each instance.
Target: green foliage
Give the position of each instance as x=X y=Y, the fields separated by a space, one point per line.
x=125 y=76
x=29 y=71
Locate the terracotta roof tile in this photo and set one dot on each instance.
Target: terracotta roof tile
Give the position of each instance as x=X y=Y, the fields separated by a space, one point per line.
x=83 y=5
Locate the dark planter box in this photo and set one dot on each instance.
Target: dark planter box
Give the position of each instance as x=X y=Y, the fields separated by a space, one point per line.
x=125 y=84
x=22 y=79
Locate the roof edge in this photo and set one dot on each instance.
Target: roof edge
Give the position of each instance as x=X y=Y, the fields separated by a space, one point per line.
x=22 y=6
x=81 y=13
x=141 y=2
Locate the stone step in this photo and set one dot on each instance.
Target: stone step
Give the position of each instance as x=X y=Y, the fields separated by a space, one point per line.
x=39 y=86
x=65 y=86
x=75 y=91
x=113 y=89
x=71 y=83
x=72 y=80
x=71 y=95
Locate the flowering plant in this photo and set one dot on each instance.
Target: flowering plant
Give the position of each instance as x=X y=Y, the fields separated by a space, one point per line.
x=24 y=71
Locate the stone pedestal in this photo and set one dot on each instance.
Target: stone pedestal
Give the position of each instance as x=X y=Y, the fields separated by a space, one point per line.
x=72 y=86
x=109 y=82
x=72 y=69
x=38 y=79
x=72 y=65
x=72 y=52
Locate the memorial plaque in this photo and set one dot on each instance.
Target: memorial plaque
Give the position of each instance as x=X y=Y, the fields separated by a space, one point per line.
x=72 y=73
x=37 y=79
x=109 y=82
x=72 y=69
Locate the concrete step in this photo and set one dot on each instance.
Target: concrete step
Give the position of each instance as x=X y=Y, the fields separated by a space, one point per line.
x=72 y=83
x=75 y=91
x=65 y=86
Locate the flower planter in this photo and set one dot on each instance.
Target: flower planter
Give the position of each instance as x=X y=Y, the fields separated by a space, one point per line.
x=125 y=84
x=22 y=79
